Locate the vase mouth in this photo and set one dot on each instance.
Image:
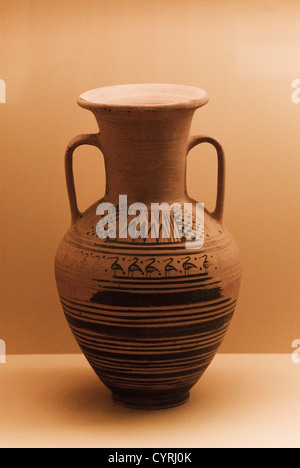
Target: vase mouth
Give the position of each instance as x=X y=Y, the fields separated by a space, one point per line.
x=144 y=97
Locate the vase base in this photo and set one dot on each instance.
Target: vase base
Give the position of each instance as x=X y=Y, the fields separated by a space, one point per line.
x=144 y=403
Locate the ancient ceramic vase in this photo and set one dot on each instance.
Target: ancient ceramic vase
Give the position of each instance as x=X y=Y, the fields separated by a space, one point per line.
x=149 y=312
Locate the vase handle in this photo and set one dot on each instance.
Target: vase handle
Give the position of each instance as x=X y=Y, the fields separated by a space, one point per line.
x=89 y=139
x=196 y=140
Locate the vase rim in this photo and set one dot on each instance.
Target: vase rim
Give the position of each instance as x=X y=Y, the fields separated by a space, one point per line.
x=144 y=97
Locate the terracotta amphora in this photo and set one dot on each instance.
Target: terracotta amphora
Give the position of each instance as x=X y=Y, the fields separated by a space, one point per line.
x=149 y=297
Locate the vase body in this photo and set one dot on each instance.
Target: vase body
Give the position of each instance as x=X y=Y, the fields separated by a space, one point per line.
x=148 y=311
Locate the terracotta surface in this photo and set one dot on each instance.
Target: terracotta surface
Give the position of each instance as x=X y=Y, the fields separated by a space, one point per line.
x=149 y=314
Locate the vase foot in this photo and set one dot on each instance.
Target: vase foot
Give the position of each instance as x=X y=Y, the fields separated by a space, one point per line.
x=151 y=403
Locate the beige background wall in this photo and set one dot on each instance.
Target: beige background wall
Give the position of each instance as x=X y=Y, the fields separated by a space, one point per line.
x=246 y=54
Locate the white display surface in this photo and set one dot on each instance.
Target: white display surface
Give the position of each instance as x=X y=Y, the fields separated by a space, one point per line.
x=243 y=400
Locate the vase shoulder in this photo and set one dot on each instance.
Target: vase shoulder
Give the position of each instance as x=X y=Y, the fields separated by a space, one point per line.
x=148 y=280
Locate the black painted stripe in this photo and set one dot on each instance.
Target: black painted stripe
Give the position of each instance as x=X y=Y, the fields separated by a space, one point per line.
x=144 y=315
x=158 y=281
x=163 y=290
x=133 y=299
x=149 y=321
x=200 y=356
x=148 y=331
x=95 y=247
x=98 y=347
x=140 y=357
x=98 y=342
x=81 y=306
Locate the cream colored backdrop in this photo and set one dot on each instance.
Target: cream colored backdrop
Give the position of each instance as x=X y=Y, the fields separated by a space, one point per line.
x=246 y=54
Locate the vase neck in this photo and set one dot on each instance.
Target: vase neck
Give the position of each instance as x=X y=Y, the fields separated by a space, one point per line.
x=145 y=154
